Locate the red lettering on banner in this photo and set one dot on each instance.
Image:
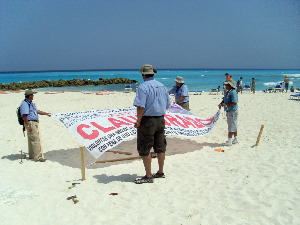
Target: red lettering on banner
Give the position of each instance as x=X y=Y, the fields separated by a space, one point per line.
x=174 y=121
x=208 y=121
x=196 y=121
x=103 y=129
x=167 y=122
x=130 y=121
x=118 y=123
x=133 y=117
x=83 y=134
x=187 y=121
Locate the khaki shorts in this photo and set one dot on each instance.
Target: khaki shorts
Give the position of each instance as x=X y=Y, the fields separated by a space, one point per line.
x=232 y=120
x=185 y=105
x=151 y=134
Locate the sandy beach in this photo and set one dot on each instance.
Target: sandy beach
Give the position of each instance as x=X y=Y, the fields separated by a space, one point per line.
x=245 y=184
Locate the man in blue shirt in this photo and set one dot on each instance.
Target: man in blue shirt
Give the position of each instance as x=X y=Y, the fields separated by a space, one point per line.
x=30 y=116
x=231 y=108
x=152 y=99
x=181 y=93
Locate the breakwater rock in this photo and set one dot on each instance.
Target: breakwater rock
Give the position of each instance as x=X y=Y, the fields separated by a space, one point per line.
x=63 y=83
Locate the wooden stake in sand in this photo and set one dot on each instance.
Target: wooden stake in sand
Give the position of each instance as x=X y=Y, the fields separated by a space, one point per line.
x=260 y=132
x=119 y=152
x=115 y=160
x=82 y=163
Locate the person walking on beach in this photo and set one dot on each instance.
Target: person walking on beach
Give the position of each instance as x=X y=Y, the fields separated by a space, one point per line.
x=30 y=116
x=253 y=85
x=228 y=77
x=231 y=108
x=286 y=83
x=239 y=85
x=181 y=92
x=152 y=99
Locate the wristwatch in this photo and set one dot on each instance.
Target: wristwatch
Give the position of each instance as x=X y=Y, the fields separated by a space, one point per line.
x=28 y=125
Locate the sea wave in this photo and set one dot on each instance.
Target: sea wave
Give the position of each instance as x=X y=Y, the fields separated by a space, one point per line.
x=293 y=75
x=270 y=84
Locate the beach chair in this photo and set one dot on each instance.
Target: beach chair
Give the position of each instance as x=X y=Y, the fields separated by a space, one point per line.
x=214 y=91
x=128 y=88
x=293 y=97
x=247 y=88
x=269 y=89
x=278 y=88
x=196 y=92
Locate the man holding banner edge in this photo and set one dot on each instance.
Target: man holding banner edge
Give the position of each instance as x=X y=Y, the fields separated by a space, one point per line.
x=152 y=100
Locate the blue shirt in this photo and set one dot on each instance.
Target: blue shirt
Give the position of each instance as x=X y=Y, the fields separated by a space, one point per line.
x=231 y=96
x=28 y=108
x=153 y=96
x=180 y=91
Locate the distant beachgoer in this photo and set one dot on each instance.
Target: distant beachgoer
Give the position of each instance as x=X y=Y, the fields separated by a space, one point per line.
x=229 y=103
x=31 y=119
x=286 y=83
x=292 y=89
x=151 y=101
x=253 y=85
x=239 y=85
x=181 y=92
x=228 y=77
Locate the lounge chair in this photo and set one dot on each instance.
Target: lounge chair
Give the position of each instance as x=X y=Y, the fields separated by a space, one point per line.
x=196 y=92
x=214 y=91
x=246 y=88
x=128 y=88
x=269 y=89
x=278 y=88
x=297 y=96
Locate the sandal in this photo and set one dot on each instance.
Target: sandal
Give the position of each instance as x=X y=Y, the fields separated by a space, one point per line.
x=144 y=179
x=159 y=175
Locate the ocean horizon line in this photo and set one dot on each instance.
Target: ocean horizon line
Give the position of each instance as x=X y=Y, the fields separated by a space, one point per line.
x=47 y=71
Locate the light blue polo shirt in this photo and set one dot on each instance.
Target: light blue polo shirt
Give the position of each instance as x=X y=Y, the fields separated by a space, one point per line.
x=181 y=91
x=153 y=96
x=231 y=96
x=27 y=107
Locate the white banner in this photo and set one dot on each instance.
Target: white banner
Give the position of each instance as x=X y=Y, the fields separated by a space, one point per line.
x=101 y=130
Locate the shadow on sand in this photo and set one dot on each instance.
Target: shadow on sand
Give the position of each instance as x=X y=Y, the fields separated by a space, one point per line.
x=71 y=157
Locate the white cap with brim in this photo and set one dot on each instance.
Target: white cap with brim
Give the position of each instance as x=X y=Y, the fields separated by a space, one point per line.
x=231 y=83
x=29 y=92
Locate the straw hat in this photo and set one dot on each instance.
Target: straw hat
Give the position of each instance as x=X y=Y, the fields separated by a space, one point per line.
x=179 y=80
x=231 y=83
x=147 y=69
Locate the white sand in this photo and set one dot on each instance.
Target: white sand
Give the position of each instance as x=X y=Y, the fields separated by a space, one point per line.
x=243 y=185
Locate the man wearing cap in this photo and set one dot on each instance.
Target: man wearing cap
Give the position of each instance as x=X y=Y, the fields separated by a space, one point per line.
x=29 y=114
x=181 y=93
x=152 y=99
x=231 y=108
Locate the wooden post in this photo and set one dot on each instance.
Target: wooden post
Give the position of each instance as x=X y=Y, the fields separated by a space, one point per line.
x=82 y=163
x=122 y=159
x=260 y=132
x=119 y=152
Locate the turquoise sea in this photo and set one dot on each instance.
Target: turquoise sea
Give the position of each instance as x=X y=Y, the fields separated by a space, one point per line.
x=197 y=80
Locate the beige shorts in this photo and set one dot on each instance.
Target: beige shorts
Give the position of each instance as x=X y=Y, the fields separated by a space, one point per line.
x=232 y=120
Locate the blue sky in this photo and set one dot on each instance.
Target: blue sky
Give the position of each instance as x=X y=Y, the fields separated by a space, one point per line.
x=40 y=35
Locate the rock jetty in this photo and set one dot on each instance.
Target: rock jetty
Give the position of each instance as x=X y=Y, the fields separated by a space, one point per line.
x=63 y=83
